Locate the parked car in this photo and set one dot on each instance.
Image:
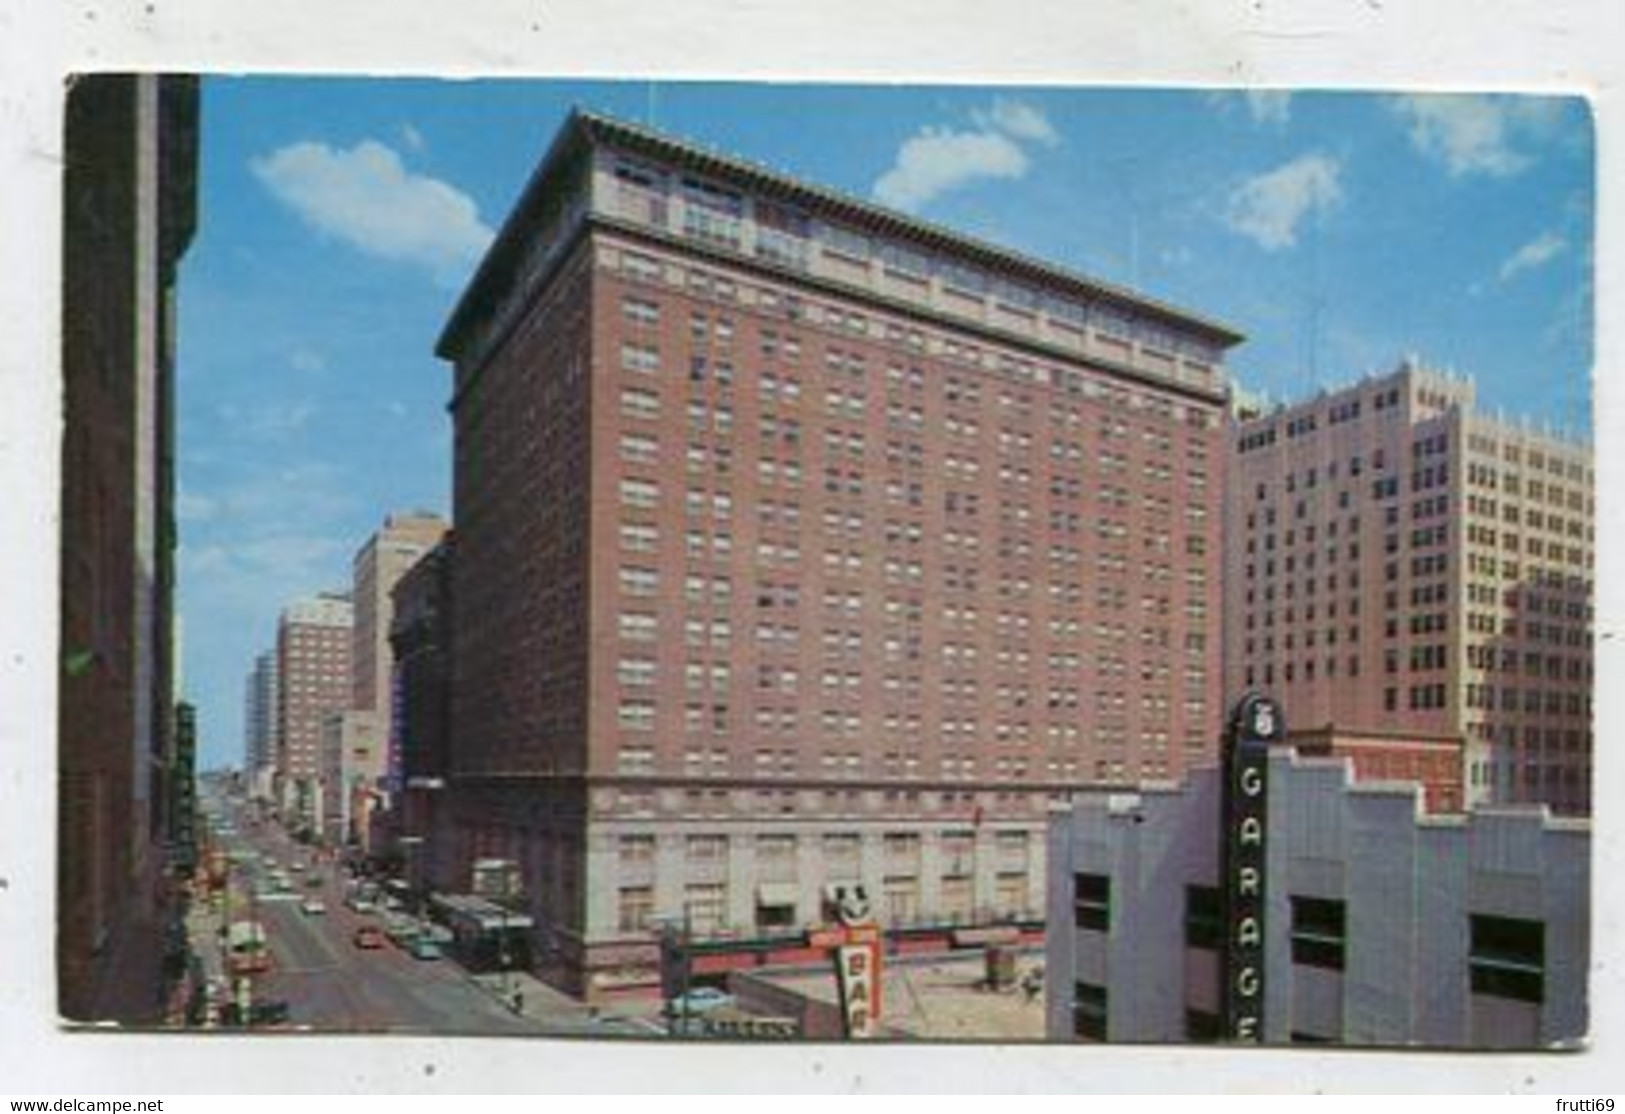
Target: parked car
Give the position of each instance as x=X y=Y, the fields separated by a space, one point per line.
x=424 y=948
x=272 y=1014
x=702 y=999
x=368 y=936
x=313 y=907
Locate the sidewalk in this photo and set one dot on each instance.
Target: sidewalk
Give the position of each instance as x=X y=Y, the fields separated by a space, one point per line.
x=539 y=1001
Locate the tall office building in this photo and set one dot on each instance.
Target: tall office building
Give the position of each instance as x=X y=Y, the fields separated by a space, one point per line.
x=129 y=211
x=367 y=734
x=420 y=638
x=1402 y=567
x=804 y=543
x=378 y=566
x=260 y=720
x=313 y=681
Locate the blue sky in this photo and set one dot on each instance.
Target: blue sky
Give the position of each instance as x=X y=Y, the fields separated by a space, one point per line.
x=340 y=217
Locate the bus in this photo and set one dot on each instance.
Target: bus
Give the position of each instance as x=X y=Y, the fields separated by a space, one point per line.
x=247 y=950
x=485 y=936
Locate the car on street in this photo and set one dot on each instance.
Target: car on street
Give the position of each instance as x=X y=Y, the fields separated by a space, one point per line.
x=702 y=999
x=271 y=1015
x=313 y=907
x=368 y=936
x=424 y=948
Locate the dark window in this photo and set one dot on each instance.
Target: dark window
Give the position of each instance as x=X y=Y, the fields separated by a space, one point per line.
x=1204 y=917
x=1318 y=932
x=1202 y=1027
x=1089 y=1011
x=1508 y=958
x=1092 y=902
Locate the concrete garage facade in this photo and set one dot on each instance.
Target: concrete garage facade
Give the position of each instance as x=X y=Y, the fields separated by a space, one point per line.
x=1384 y=925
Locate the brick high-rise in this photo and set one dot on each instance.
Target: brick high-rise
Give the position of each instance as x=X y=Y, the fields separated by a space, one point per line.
x=1401 y=565
x=313 y=681
x=801 y=542
x=129 y=212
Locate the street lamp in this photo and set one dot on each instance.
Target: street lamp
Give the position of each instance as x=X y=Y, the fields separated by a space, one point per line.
x=409 y=845
x=505 y=961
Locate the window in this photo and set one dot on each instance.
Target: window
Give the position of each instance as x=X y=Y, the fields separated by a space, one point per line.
x=636 y=906
x=1508 y=958
x=705 y=907
x=637 y=626
x=640 y=404
x=639 y=582
x=1204 y=917
x=1089 y=1011
x=706 y=848
x=1203 y=1027
x=638 y=450
x=637 y=849
x=1092 y=902
x=1318 y=936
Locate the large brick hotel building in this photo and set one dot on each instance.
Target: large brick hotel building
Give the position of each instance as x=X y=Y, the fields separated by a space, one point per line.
x=804 y=543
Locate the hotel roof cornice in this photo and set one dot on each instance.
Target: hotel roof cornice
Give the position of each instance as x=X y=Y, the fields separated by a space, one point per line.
x=586 y=129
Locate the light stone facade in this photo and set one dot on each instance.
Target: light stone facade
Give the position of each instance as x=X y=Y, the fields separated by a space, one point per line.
x=1383 y=925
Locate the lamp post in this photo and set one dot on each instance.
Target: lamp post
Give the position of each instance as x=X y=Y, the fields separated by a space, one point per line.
x=505 y=961
x=409 y=846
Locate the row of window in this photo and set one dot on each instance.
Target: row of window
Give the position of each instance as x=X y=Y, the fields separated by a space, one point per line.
x=784 y=234
x=1506 y=957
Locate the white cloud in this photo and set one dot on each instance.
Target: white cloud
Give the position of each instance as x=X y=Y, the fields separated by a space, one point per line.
x=367 y=198
x=1536 y=253
x=1477 y=134
x=937 y=159
x=1018 y=120
x=412 y=138
x=1267 y=209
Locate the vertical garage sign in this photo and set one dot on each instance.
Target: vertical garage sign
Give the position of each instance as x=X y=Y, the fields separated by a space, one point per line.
x=1255 y=725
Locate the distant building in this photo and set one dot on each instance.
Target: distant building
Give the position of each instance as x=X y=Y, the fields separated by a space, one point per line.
x=1383 y=926
x=352 y=765
x=129 y=211
x=1435 y=763
x=1398 y=564
x=419 y=746
x=260 y=722
x=800 y=542
x=313 y=681
x=378 y=566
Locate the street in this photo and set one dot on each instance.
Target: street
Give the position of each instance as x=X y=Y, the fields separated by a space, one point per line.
x=330 y=984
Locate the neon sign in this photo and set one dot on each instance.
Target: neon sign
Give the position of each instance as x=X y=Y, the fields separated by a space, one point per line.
x=1255 y=725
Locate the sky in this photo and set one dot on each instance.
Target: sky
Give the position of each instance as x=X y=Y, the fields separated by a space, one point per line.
x=339 y=219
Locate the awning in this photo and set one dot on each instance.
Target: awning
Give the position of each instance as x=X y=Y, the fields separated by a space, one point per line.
x=773 y=894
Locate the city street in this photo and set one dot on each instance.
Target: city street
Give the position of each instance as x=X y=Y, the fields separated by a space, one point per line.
x=332 y=985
